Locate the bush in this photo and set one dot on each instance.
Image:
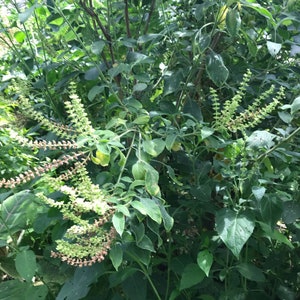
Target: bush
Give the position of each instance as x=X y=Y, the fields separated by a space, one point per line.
x=166 y=142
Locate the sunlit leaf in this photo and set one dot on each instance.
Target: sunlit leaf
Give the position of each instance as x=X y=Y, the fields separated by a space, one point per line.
x=205 y=260
x=118 y=221
x=216 y=69
x=234 y=228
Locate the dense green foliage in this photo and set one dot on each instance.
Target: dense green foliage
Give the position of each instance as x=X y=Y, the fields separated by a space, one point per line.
x=150 y=150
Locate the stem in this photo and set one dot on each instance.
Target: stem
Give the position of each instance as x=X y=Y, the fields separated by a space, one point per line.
x=149 y=16
x=127 y=19
x=262 y=156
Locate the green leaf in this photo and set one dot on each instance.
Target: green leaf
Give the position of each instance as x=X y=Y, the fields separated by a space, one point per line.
x=291 y=212
x=271 y=209
x=15 y=290
x=251 y=272
x=206 y=132
x=191 y=276
x=258 y=192
x=171 y=173
x=118 y=221
x=234 y=228
x=146 y=243
x=20 y=36
x=26 y=264
x=295 y=106
x=92 y=74
x=151 y=181
x=273 y=48
x=24 y=16
x=216 y=69
x=261 y=10
x=205 y=260
x=116 y=255
x=202 y=41
x=167 y=219
x=148 y=207
x=233 y=21
x=274 y=234
x=139 y=87
x=94 y=91
x=154 y=147
x=261 y=139
x=97 y=47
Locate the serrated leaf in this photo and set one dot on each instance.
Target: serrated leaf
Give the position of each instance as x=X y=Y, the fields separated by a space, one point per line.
x=191 y=276
x=234 y=229
x=233 y=22
x=216 y=69
x=26 y=264
x=118 y=221
x=116 y=255
x=204 y=261
x=251 y=272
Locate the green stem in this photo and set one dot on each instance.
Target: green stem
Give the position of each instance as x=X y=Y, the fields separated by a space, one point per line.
x=264 y=155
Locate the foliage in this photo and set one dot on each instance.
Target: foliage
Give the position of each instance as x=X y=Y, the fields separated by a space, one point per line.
x=154 y=151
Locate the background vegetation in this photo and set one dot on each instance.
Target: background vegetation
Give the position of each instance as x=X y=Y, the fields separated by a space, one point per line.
x=150 y=149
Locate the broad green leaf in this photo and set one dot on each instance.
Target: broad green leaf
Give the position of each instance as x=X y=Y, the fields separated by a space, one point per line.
x=206 y=132
x=202 y=41
x=258 y=192
x=154 y=147
x=94 y=91
x=234 y=228
x=167 y=219
x=285 y=117
x=26 y=264
x=233 y=21
x=118 y=221
x=291 y=212
x=274 y=234
x=151 y=182
x=251 y=272
x=135 y=287
x=216 y=69
x=152 y=209
x=24 y=16
x=139 y=170
x=191 y=276
x=148 y=37
x=295 y=106
x=78 y=286
x=92 y=74
x=97 y=47
x=170 y=140
x=141 y=120
x=146 y=243
x=261 y=10
x=15 y=290
x=273 y=48
x=139 y=87
x=116 y=70
x=16 y=212
x=136 y=58
x=271 y=209
x=204 y=261
x=116 y=255
x=261 y=139
x=20 y=36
